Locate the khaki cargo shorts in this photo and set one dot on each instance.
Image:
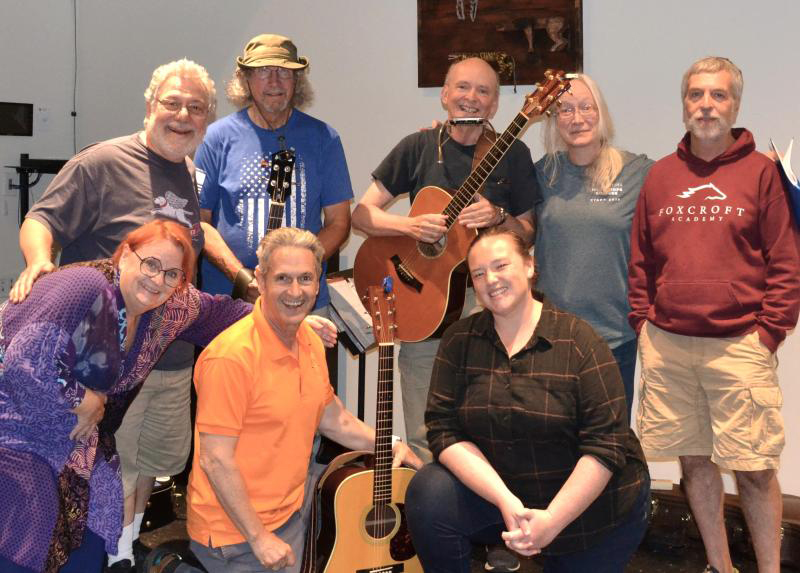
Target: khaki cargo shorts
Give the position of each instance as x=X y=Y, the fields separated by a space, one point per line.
x=716 y=397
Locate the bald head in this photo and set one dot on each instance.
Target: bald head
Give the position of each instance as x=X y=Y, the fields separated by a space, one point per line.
x=473 y=66
x=471 y=89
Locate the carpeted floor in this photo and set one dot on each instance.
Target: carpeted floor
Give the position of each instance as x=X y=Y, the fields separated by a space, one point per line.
x=688 y=559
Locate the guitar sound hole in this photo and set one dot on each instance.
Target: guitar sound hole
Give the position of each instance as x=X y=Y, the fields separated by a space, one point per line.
x=381 y=521
x=432 y=250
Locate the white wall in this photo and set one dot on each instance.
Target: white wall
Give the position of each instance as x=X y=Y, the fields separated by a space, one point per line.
x=35 y=67
x=363 y=68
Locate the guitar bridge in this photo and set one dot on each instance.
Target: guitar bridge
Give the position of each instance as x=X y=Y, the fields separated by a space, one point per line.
x=405 y=275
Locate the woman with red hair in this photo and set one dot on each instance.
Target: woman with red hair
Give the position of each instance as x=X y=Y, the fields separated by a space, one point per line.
x=72 y=357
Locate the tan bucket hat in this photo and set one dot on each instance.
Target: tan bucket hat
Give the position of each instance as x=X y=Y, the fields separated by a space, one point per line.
x=271 y=50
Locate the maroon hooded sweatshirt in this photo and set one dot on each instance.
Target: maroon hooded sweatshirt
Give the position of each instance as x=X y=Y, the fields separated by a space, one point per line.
x=713 y=248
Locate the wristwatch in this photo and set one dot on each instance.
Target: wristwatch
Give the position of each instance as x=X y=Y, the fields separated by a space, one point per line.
x=502 y=213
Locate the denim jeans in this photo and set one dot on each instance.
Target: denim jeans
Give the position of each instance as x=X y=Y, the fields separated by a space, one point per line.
x=446 y=517
x=625 y=355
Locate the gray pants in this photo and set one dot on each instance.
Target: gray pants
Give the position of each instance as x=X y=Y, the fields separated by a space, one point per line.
x=239 y=558
x=416 y=365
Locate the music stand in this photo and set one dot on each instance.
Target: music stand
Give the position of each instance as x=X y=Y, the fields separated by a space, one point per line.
x=357 y=346
x=27 y=167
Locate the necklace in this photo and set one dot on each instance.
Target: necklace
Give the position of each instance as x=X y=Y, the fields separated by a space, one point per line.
x=277 y=129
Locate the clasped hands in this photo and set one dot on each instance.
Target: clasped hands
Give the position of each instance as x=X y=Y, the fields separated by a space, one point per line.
x=528 y=530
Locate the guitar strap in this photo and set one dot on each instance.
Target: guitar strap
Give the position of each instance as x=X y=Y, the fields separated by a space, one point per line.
x=309 y=563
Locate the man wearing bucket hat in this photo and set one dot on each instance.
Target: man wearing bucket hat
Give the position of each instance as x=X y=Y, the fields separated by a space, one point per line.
x=234 y=162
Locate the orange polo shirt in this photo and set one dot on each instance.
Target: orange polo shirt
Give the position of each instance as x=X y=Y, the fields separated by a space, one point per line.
x=249 y=386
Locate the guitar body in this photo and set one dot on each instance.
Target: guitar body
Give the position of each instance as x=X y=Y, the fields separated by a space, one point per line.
x=436 y=295
x=356 y=538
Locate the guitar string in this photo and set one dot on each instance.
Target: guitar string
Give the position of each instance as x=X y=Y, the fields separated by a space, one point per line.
x=388 y=375
x=385 y=365
x=276 y=209
x=465 y=194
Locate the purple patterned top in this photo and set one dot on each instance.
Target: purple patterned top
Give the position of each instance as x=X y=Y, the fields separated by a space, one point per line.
x=69 y=334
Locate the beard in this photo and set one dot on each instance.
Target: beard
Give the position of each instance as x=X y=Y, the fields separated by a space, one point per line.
x=710 y=131
x=174 y=144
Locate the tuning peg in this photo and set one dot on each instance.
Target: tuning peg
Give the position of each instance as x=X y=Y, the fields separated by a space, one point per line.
x=548 y=113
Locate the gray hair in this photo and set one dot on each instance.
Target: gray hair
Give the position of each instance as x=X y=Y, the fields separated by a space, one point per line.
x=712 y=65
x=290 y=237
x=182 y=68
x=238 y=91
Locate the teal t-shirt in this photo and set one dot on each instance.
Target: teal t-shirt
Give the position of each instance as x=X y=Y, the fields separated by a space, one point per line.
x=583 y=243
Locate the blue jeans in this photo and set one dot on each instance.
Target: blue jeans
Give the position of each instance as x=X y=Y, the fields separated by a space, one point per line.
x=446 y=517
x=625 y=355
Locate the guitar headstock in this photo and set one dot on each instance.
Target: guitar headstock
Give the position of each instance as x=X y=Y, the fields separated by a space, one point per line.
x=547 y=94
x=380 y=303
x=280 y=175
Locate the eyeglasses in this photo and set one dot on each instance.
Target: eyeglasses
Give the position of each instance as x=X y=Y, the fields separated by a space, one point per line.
x=585 y=109
x=151 y=267
x=175 y=106
x=264 y=72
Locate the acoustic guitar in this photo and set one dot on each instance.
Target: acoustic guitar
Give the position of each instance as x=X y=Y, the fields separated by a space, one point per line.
x=427 y=289
x=363 y=522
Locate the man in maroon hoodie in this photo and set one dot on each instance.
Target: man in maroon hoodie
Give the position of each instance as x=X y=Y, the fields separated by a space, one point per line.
x=714 y=287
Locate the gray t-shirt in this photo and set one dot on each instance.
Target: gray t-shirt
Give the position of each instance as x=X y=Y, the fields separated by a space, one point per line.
x=583 y=243
x=413 y=164
x=108 y=190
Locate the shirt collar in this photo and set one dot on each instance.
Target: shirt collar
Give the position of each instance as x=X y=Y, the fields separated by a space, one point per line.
x=545 y=331
x=272 y=344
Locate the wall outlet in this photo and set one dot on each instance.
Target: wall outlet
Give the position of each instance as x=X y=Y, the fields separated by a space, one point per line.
x=5 y=286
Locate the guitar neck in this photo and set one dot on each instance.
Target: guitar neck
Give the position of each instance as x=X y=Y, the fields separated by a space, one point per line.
x=275 y=215
x=463 y=197
x=382 y=485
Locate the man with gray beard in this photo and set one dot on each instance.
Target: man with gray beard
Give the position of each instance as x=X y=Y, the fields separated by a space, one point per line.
x=714 y=287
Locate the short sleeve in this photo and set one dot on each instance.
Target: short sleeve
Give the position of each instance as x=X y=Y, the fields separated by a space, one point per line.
x=69 y=206
x=336 y=177
x=222 y=395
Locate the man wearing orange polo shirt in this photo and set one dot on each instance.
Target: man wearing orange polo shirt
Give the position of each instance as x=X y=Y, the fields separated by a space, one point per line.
x=262 y=393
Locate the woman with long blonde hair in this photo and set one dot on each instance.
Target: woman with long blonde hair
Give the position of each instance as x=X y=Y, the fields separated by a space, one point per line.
x=589 y=190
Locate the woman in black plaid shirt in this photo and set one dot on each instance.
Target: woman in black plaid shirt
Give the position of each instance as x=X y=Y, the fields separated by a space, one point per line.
x=528 y=423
